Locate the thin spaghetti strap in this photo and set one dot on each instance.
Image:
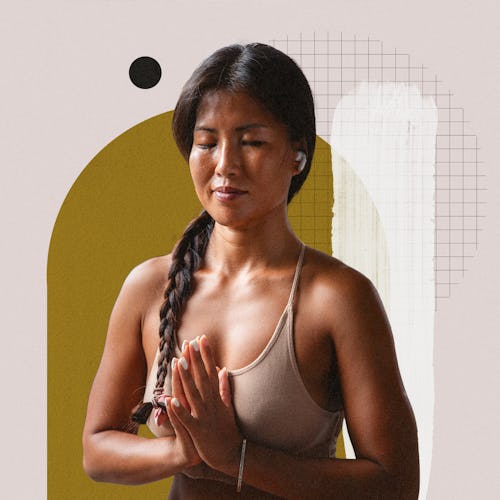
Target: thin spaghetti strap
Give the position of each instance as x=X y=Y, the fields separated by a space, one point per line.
x=297 y=275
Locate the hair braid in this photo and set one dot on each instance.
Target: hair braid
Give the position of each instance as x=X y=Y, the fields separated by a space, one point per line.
x=186 y=259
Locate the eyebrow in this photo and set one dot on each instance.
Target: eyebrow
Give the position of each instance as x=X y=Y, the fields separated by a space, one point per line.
x=241 y=128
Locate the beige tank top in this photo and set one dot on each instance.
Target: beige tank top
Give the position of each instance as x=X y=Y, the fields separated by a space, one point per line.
x=271 y=402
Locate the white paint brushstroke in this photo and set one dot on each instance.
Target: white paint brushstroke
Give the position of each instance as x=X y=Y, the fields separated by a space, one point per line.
x=385 y=134
x=358 y=238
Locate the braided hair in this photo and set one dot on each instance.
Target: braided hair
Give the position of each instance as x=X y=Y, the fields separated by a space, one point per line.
x=273 y=79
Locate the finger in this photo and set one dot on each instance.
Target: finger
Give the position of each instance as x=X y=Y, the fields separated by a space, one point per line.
x=177 y=424
x=187 y=421
x=224 y=387
x=199 y=372
x=209 y=362
x=185 y=351
x=177 y=388
x=190 y=390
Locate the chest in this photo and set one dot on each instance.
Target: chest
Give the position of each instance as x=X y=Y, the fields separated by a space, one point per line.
x=241 y=319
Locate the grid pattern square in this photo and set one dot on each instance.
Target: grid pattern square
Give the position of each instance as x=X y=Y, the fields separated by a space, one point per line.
x=335 y=65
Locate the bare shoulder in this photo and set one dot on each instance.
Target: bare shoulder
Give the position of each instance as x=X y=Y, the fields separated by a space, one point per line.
x=140 y=294
x=145 y=284
x=340 y=293
x=333 y=279
x=150 y=275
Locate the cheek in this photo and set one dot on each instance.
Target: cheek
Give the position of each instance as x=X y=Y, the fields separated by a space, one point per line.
x=282 y=172
x=201 y=176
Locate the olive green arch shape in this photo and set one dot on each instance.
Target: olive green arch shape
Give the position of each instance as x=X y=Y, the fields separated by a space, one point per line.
x=130 y=203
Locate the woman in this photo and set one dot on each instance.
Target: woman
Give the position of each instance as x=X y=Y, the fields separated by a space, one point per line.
x=300 y=338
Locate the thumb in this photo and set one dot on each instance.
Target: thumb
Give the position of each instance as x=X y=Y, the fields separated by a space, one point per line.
x=224 y=387
x=177 y=425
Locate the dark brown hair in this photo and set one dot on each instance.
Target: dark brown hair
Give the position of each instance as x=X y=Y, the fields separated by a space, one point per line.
x=274 y=80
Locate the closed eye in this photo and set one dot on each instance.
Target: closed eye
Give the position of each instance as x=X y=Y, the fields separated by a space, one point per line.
x=206 y=145
x=254 y=144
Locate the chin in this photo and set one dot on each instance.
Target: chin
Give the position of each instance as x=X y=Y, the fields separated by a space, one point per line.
x=243 y=217
x=229 y=219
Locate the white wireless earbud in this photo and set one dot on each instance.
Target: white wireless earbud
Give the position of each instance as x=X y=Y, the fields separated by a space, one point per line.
x=302 y=159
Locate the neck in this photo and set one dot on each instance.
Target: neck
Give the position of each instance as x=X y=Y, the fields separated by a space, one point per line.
x=234 y=251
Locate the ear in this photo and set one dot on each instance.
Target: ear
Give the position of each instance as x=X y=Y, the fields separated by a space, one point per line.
x=300 y=161
x=300 y=156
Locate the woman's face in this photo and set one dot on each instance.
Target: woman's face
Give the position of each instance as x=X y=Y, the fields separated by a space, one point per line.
x=241 y=160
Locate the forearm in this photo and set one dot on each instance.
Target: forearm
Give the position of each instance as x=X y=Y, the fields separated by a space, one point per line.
x=290 y=477
x=119 y=457
x=203 y=471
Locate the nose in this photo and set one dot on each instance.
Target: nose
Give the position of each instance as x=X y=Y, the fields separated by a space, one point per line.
x=228 y=160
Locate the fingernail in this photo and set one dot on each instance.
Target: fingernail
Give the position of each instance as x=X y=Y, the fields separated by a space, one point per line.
x=174 y=362
x=195 y=345
x=184 y=363
x=203 y=339
x=175 y=402
x=184 y=345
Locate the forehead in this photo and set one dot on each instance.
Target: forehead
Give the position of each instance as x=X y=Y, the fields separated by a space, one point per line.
x=227 y=108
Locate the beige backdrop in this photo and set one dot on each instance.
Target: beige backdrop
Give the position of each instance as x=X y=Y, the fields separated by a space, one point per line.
x=65 y=95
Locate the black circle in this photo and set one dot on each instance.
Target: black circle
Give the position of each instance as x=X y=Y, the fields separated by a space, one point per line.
x=145 y=72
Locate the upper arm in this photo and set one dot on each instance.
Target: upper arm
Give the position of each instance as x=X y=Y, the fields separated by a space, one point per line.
x=378 y=414
x=120 y=380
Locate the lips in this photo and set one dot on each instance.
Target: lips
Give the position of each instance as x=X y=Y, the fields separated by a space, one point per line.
x=228 y=193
